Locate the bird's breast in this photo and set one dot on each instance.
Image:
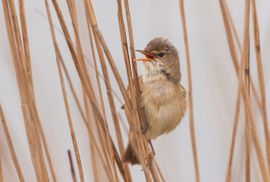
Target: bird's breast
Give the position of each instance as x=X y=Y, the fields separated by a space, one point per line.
x=164 y=104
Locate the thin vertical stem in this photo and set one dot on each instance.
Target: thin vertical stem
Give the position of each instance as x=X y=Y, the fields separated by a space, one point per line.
x=235 y=126
x=10 y=146
x=247 y=84
x=261 y=80
x=86 y=85
x=72 y=170
x=190 y=99
x=92 y=149
x=31 y=119
x=1 y=169
x=70 y=122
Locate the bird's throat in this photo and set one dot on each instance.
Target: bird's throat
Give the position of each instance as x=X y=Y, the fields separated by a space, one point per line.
x=154 y=71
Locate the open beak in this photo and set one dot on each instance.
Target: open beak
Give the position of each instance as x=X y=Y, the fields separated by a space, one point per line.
x=148 y=56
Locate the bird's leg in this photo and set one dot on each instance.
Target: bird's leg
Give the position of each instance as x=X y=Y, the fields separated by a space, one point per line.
x=149 y=161
x=151 y=145
x=151 y=154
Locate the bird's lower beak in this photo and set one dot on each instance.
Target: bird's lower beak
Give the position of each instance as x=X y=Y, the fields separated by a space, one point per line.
x=148 y=56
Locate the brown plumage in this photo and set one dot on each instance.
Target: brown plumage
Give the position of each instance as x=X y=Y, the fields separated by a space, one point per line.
x=163 y=97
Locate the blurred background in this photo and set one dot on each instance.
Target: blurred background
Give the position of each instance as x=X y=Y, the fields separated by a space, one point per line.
x=214 y=86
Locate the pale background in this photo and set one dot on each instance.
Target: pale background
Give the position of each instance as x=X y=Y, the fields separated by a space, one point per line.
x=214 y=86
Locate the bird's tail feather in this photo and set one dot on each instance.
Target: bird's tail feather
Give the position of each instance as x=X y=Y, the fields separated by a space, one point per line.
x=130 y=156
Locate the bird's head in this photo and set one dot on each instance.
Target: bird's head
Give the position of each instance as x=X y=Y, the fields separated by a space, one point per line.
x=161 y=57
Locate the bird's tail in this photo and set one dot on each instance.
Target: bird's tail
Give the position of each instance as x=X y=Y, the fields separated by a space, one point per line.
x=130 y=156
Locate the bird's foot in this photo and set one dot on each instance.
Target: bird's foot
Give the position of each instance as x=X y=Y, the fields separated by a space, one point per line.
x=150 y=159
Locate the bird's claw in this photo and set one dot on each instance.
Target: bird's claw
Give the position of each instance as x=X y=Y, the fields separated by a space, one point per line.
x=149 y=160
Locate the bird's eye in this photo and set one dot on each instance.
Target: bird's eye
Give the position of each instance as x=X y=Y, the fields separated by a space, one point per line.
x=161 y=54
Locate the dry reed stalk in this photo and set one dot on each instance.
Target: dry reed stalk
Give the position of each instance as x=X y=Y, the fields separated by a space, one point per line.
x=135 y=90
x=155 y=176
x=28 y=72
x=112 y=107
x=101 y=101
x=1 y=170
x=70 y=122
x=92 y=138
x=114 y=112
x=107 y=52
x=88 y=61
x=69 y=117
x=234 y=32
x=68 y=78
x=90 y=132
x=247 y=157
x=134 y=84
x=250 y=120
x=83 y=75
x=228 y=23
x=124 y=125
x=226 y=12
x=10 y=146
x=97 y=74
x=105 y=139
x=25 y=40
x=105 y=136
x=232 y=26
x=245 y=91
x=235 y=126
x=261 y=80
x=73 y=15
x=26 y=92
x=240 y=49
x=92 y=149
x=84 y=116
x=111 y=102
x=246 y=59
x=159 y=171
x=235 y=35
x=135 y=80
x=90 y=129
x=113 y=67
x=72 y=170
x=190 y=99
x=124 y=43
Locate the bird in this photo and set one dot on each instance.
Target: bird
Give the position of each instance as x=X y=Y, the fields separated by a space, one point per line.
x=163 y=98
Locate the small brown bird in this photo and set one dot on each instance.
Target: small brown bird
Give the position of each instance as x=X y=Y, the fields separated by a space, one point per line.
x=163 y=97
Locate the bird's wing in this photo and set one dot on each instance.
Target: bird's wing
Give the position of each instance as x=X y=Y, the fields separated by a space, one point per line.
x=129 y=89
x=144 y=126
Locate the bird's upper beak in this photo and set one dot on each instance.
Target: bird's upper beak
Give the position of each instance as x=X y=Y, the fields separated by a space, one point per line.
x=148 y=56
